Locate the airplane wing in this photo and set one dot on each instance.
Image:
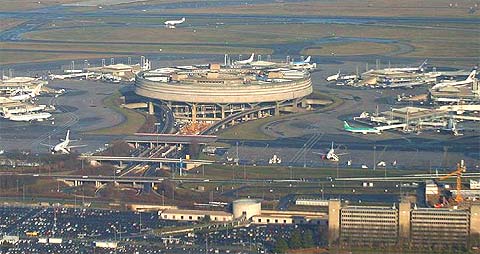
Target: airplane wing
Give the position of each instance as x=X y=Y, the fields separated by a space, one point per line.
x=340 y=154
x=77 y=146
x=46 y=145
x=319 y=153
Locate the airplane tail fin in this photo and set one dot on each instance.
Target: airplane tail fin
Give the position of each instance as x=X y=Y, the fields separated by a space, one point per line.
x=37 y=89
x=251 y=57
x=332 y=145
x=472 y=75
x=67 y=138
x=346 y=125
x=423 y=64
x=307 y=60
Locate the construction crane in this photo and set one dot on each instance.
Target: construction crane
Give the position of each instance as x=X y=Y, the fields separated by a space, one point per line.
x=458 y=173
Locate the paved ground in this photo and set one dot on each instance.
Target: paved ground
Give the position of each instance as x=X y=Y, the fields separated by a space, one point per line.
x=316 y=131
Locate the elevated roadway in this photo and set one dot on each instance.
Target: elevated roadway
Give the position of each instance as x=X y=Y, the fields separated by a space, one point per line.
x=144 y=159
x=152 y=138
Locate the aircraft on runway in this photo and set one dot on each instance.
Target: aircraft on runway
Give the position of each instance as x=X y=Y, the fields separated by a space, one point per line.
x=364 y=130
x=469 y=80
x=20 y=95
x=246 y=61
x=63 y=147
x=173 y=23
x=420 y=68
x=331 y=155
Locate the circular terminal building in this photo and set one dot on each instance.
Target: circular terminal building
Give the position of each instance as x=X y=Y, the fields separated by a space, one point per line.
x=213 y=92
x=246 y=208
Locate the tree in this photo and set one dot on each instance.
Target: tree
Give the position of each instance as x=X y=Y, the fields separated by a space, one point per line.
x=295 y=240
x=307 y=239
x=280 y=247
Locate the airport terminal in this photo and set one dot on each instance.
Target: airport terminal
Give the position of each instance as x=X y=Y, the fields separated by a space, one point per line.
x=213 y=92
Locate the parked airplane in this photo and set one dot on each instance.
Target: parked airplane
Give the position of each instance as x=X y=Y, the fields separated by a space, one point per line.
x=331 y=155
x=19 y=95
x=246 y=61
x=30 y=117
x=409 y=69
x=333 y=77
x=63 y=147
x=338 y=76
x=364 y=130
x=305 y=64
x=469 y=80
x=173 y=23
x=452 y=128
x=306 y=61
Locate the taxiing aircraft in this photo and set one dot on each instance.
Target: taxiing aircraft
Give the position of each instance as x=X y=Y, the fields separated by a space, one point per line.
x=246 y=61
x=63 y=147
x=364 y=130
x=331 y=155
x=469 y=80
x=173 y=23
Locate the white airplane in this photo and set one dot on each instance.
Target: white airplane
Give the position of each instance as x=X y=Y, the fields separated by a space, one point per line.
x=331 y=155
x=246 y=61
x=409 y=69
x=469 y=80
x=333 y=77
x=63 y=147
x=173 y=23
x=337 y=77
x=21 y=96
x=452 y=128
x=306 y=61
x=30 y=117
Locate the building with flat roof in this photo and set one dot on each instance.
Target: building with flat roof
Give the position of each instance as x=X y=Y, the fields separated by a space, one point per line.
x=208 y=93
x=422 y=227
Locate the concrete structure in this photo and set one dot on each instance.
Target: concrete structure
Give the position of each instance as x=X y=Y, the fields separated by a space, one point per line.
x=311 y=202
x=194 y=215
x=422 y=227
x=439 y=226
x=248 y=211
x=200 y=93
x=246 y=208
x=449 y=94
x=289 y=217
x=369 y=225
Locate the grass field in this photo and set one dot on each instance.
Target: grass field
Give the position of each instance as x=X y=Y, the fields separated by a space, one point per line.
x=427 y=42
x=352 y=48
x=252 y=130
x=11 y=57
x=283 y=172
x=372 y=8
x=134 y=120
